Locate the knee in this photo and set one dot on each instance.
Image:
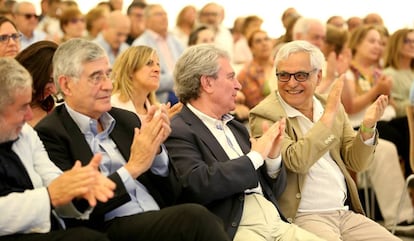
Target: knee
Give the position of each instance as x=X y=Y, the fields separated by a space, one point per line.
x=197 y=213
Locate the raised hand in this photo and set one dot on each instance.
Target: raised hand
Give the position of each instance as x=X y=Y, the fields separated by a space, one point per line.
x=269 y=144
x=333 y=102
x=147 y=140
x=103 y=188
x=81 y=182
x=375 y=111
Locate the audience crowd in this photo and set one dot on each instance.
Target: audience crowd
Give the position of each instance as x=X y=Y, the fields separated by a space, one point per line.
x=124 y=126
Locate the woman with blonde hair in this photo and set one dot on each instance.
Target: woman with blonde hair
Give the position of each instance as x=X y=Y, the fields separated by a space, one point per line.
x=136 y=77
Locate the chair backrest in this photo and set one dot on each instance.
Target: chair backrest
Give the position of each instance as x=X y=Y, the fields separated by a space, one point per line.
x=410 y=119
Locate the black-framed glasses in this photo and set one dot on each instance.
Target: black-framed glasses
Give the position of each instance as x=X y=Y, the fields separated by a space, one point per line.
x=300 y=76
x=6 y=37
x=29 y=16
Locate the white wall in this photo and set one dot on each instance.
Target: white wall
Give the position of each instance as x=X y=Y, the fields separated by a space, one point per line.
x=396 y=13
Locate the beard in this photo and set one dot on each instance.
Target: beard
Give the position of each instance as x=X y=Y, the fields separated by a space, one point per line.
x=8 y=134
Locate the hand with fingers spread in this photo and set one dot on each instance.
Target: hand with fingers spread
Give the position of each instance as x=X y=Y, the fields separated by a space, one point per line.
x=85 y=182
x=147 y=140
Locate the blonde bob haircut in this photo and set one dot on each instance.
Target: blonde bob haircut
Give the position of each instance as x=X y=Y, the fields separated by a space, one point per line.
x=131 y=60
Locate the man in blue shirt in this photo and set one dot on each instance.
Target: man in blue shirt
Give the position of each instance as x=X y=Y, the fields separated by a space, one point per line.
x=132 y=155
x=33 y=191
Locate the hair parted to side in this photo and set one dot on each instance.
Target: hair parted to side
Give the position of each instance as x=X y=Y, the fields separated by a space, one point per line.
x=40 y=70
x=316 y=56
x=197 y=60
x=72 y=54
x=126 y=64
x=14 y=78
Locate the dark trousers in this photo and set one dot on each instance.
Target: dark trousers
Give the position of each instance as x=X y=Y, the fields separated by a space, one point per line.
x=396 y=131
x=73 y=234
x=186 y=222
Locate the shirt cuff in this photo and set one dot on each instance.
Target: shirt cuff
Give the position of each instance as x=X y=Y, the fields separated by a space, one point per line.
x=127 y=179
x=160 y=165
x=273 y=166
x=256 y=159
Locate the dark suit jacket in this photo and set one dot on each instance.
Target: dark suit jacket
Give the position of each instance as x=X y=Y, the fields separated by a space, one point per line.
x=65 y=144
x=208 y=175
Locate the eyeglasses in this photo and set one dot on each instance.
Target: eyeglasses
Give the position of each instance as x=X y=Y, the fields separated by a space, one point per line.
x=6 y=37
x=300 y=76
x=76 y=20
x=98 y=77
x=29 y=16
x=408 y=41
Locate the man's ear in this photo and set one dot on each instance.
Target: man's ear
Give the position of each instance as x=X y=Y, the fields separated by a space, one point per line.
x=65 y=85
x=206 y=83
x=319 y=76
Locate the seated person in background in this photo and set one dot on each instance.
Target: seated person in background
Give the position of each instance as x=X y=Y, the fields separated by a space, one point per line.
x=257 y=73
x=319 y=147
x=32 y=189
x=9 y=38
x=236 y=179
x=72 y=23
x=133 y=158
x=136 y=77
x=200 y=35
x=37 y=59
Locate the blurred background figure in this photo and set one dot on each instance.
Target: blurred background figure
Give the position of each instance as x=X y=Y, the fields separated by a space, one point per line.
x=337 y=21
x=9 y=38
x=168 y=48
x=242 y=52
x=72 y=23
x=185 y=23
x=255 y=76
x=96 y=19
x=213 y=15
x=353 y=22
x=50 y=23
x=201 y=35
x=113 y=36
x=135 y=13
x=26 y=20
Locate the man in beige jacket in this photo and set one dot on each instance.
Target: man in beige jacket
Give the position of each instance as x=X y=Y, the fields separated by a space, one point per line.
x=319 y=147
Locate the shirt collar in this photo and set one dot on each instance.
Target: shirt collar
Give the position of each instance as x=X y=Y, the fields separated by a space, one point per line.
x=292 y=112
x=210 y=120
x=87 y=124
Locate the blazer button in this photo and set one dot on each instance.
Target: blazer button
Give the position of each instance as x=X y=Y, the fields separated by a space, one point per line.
x=241 y=198
x=234 y=224
x=290 y=220
x=298 y=195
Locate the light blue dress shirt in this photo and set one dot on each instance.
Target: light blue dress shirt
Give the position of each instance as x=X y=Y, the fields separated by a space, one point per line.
x=113 y=161
x=105 y=45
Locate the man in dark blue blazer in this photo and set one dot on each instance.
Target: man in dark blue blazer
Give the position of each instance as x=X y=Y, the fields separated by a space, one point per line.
x=132 y=155
x=237 y=179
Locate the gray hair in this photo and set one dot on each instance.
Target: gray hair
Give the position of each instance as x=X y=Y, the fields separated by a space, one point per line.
x=317 y=58
x=197 y=60
x=14 y=78
x=72 y=54
x=302 y=25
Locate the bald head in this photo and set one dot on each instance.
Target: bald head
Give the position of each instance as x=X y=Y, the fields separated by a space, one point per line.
x=117 y=30
x=116 y=19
